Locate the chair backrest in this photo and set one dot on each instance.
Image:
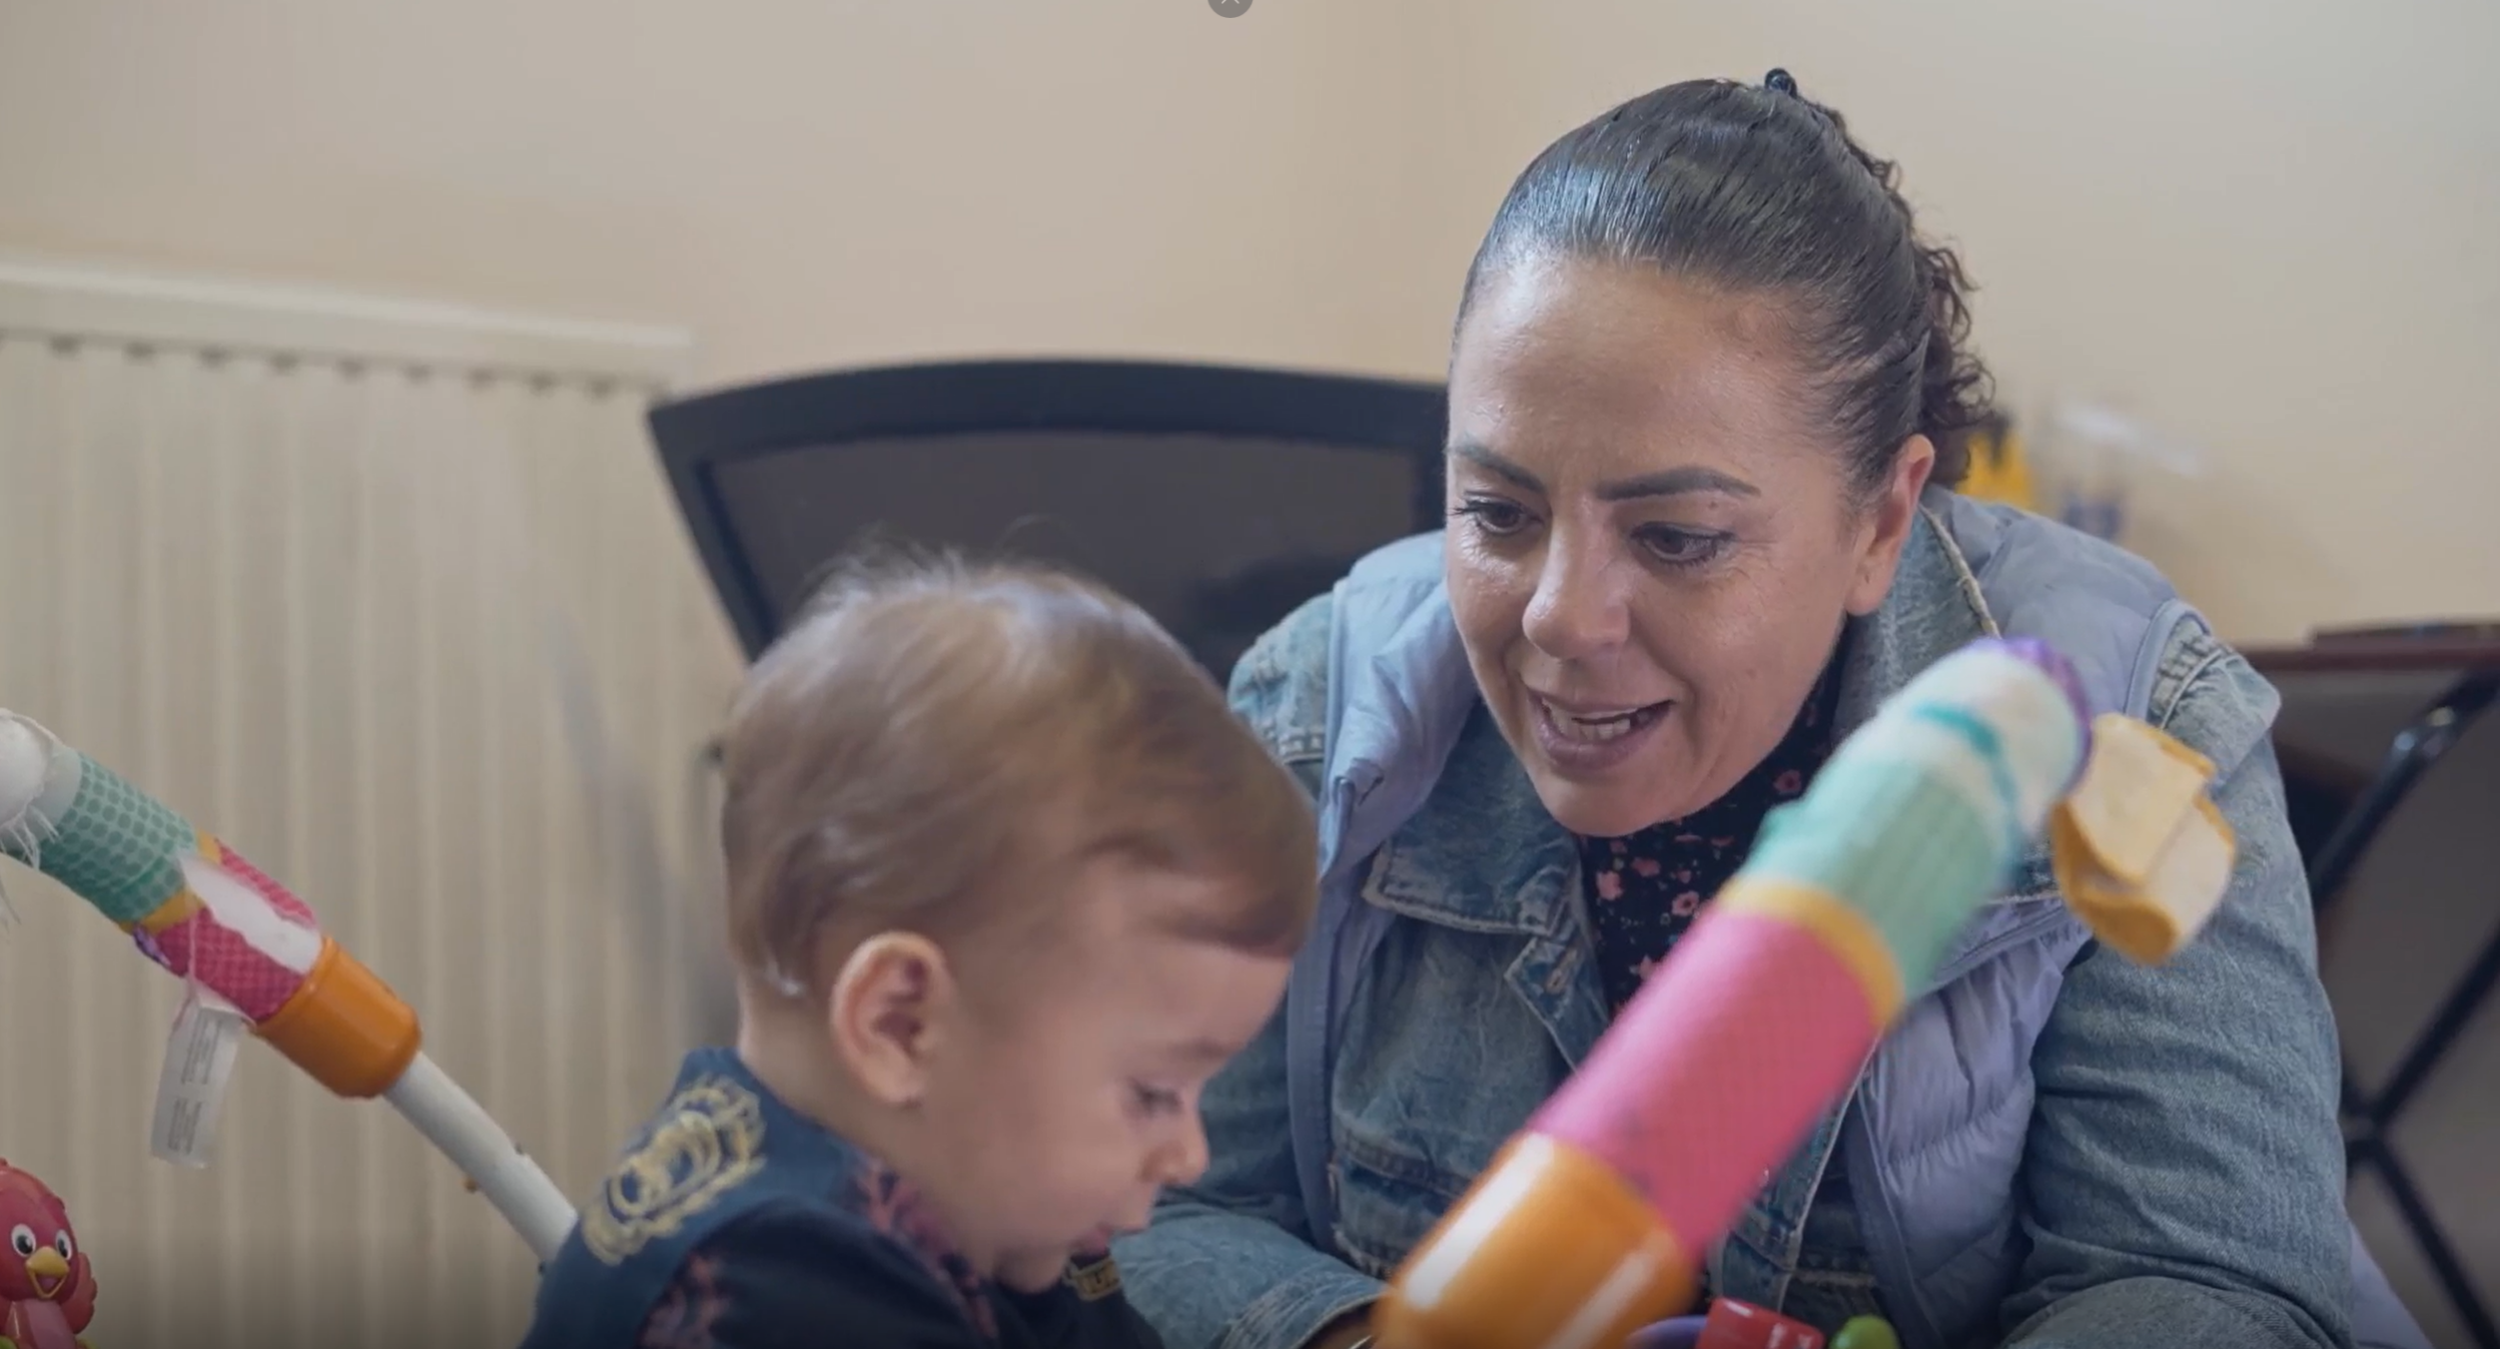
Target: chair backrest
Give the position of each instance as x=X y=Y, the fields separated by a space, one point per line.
x=1216 y=497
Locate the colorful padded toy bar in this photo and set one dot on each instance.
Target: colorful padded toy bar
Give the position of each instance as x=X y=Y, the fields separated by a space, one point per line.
x=1592 y=1220
x=194 y=906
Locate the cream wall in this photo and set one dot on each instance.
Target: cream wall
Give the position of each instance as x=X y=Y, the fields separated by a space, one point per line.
x=2271 y=229
x=803 y=182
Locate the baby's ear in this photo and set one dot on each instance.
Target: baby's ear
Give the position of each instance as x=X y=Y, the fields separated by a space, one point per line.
x=886 y=1014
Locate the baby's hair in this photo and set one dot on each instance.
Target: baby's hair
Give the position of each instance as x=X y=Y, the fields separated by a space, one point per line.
x=892 y=756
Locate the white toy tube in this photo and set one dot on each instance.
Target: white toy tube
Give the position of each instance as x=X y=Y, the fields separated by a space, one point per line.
x=457 y=1124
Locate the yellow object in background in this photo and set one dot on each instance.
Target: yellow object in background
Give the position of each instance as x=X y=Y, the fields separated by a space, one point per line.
x=1999 y=470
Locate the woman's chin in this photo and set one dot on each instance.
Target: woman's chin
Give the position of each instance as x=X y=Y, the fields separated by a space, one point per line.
x=1594 y=810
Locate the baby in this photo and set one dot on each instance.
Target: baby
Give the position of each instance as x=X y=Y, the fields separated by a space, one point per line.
x=1007 y=883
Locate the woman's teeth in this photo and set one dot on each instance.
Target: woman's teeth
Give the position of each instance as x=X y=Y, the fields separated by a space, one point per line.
x=1596 y=730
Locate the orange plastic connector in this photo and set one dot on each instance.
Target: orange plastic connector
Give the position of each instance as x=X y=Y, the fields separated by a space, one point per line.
x=1550 y=1249
x=346 y=1027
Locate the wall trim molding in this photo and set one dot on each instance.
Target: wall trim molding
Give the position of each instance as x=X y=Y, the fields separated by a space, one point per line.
x=73 y=301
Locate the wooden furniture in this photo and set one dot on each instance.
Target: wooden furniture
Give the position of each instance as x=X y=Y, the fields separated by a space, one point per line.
x=2337 y=813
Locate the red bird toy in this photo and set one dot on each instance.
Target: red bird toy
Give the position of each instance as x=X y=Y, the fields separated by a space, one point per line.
x=47 y=1292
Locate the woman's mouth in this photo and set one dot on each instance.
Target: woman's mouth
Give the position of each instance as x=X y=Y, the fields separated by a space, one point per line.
x=1599 y=726
x=1589 y=738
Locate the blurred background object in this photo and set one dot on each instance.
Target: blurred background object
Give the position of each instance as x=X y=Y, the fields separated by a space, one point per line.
x=2096 y=458
x=2000 y=465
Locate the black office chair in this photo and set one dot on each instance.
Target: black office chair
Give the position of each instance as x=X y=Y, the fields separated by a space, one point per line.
x=1217 y=498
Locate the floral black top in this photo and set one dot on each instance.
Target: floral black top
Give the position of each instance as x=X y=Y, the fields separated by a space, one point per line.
x=1643 y=890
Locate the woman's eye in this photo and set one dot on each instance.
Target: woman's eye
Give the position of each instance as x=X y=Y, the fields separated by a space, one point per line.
x=1682 y=547
x=1493 y=516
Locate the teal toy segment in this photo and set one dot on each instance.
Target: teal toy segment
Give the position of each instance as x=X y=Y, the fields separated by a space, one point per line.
x=117 y=846
x=1928 y=800
x=1889 y=844
x=1989 y=748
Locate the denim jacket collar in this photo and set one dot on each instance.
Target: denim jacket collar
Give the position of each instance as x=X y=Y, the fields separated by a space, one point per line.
x=1933 y=609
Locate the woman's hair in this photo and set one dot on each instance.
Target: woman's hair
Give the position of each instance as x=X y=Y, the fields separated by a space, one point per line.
x=898 y=758
x=1758 y=190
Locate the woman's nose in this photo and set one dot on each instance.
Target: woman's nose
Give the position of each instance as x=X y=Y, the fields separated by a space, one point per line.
x=1576 y=612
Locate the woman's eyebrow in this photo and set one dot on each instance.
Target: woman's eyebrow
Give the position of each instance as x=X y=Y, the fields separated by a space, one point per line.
x=1675 y=482
x=1496 y=465
x=1664 y=483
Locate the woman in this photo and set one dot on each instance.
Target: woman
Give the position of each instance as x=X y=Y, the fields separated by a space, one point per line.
x=1704 y=396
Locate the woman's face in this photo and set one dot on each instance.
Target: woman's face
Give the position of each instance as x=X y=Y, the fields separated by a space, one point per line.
x=1652 y=543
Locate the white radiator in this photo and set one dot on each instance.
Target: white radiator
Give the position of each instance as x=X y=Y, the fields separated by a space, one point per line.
x=393 y=598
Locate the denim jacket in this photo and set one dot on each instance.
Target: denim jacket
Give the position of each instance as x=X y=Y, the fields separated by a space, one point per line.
x=2052 y=1147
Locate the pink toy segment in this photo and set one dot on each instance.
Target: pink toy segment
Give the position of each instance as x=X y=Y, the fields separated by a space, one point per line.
x=279 y=897
x=1710 y=1075
x=226 y=964
x=254 y=954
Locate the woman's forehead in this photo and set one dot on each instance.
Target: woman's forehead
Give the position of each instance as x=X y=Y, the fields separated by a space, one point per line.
x=1605 y=369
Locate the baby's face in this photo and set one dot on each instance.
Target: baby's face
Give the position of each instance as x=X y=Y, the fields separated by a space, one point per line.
x=1072 y=1086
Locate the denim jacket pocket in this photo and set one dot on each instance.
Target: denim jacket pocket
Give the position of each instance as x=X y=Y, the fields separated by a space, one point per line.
x=1389 y=1194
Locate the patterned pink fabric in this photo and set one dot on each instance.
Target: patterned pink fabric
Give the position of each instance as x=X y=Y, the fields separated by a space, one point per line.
x=221 y=959
x=197 y=948
x=279 y=897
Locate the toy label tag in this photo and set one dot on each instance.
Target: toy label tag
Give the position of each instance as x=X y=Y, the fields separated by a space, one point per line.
x=191 y=1091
